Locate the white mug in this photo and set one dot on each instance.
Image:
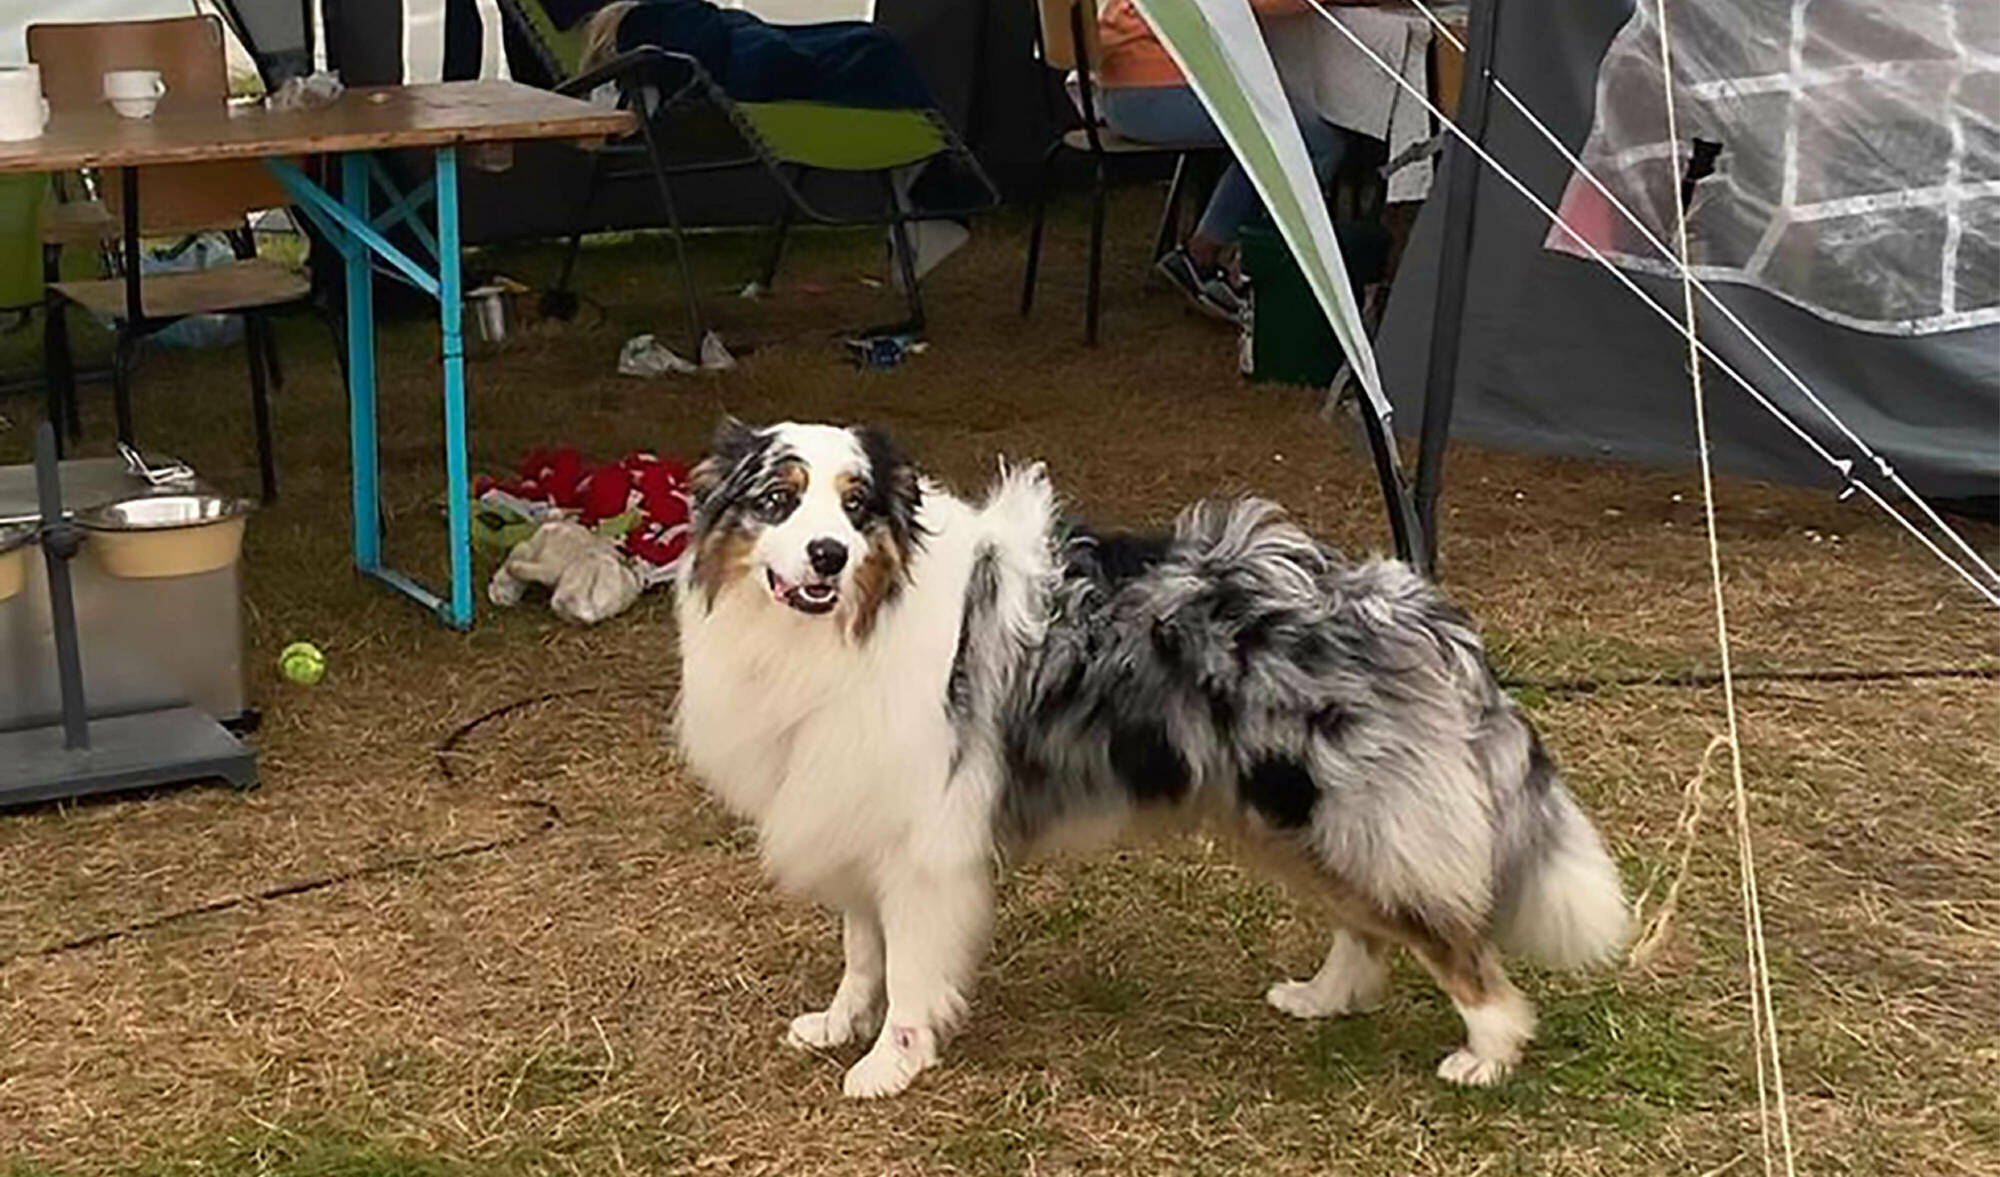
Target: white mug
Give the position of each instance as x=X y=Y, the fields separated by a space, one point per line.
x=23 y=110
x=134 y=92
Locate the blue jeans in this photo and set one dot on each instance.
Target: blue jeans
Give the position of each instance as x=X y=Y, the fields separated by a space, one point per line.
x=1172 y=114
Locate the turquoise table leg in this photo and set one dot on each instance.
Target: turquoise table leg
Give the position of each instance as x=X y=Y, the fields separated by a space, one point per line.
x=361 y=371
x=451 y=312
x=360 y=240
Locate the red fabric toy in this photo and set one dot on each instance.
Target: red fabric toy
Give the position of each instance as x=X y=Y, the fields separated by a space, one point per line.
x=652 y=488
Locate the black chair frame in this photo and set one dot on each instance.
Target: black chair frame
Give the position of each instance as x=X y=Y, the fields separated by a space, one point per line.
x=693 y=128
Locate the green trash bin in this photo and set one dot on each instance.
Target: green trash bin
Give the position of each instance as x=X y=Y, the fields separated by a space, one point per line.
x=1290 y=341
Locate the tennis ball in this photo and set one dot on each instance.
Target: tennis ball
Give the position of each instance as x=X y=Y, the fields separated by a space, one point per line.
x=302 y=663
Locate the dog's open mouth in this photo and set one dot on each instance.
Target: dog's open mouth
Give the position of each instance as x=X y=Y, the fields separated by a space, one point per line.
x=816 y=597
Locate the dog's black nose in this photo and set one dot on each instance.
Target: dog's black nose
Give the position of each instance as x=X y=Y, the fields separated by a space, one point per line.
x=827 y=556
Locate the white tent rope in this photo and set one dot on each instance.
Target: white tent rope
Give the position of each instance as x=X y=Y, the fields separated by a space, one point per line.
x=1845 y=466
x=1680 y=263
x=1763 y=1014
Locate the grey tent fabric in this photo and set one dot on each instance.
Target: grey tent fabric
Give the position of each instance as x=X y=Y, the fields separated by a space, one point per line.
x=1556 y=357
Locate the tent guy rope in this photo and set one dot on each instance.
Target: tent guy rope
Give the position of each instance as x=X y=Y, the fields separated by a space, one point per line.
x=1763 y=1013
x=1845 y=466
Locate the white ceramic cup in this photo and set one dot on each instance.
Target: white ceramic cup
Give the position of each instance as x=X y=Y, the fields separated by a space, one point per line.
x=23 y=110
x=134 y=92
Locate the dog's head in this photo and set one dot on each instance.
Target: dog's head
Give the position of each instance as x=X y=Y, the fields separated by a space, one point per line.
x=820 y=519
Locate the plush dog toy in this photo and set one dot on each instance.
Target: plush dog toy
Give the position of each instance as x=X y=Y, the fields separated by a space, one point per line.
x=598 y=536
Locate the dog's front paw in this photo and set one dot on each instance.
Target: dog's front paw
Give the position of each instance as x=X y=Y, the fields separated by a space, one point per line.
x=1310 y=999
x=1471 y=1070
x=898 y=1056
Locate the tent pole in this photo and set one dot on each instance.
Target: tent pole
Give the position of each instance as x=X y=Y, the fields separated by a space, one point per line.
x=1461 y=177
x=1404 y=530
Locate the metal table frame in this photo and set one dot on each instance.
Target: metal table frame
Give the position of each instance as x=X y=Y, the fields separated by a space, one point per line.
x=361 y=237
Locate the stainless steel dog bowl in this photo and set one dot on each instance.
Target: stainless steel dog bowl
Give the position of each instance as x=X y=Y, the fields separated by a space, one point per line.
x=14 y=543
x=158 y=535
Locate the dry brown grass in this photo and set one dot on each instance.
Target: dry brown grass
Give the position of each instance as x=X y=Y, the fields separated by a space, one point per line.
x=549 y=954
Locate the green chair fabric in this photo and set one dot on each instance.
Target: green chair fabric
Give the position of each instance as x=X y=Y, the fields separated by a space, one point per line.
x=844 y=138
x=21 y=196
x=560 y=50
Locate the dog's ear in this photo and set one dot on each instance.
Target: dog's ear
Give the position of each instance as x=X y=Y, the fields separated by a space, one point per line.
x=733 y=442
x=896 y=483
x=731 y=434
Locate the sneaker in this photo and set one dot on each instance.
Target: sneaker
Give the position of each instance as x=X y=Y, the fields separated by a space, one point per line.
x=1207 y=289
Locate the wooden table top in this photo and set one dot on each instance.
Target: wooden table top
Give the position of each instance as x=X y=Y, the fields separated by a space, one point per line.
x=363 y=119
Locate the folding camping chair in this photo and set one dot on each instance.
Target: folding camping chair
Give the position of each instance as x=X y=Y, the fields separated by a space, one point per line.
x=690 y=127
x=180 y=199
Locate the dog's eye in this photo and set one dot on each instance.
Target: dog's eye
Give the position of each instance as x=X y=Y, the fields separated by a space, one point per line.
x=774 y=502
x=856 y=500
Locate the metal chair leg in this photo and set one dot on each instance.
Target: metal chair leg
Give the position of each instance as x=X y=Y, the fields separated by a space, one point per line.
x=336 y=329
x=121 y=382
x=905 y=258
x=1041 y=203
x=1096 y=275
x=597 y=164
x=59 y=373
x=273 y=369
x=695 y=323
x=58 y=362
x=1169 y=234
x=779 y=232
x=256 y=348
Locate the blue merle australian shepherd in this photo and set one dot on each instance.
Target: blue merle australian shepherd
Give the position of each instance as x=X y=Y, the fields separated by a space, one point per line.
x=901 y=687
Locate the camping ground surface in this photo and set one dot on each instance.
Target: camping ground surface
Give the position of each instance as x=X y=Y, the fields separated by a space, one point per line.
x=478 y=920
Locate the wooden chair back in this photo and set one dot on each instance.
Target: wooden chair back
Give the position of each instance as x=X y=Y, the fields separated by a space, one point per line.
x=1060 y=49
x=188 y=52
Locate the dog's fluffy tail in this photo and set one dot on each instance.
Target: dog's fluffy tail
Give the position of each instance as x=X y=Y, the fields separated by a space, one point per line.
x=1566 y=906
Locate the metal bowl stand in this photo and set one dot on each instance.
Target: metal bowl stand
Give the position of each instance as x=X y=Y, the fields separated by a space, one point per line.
x=81 y=756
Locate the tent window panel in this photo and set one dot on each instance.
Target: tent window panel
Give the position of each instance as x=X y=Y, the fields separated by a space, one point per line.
x=1861 y=144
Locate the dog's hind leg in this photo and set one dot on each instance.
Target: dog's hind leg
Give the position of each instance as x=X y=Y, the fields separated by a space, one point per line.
x=857 y=1003
x=934 y=924
x=1499 y=1021
x=1354 y=979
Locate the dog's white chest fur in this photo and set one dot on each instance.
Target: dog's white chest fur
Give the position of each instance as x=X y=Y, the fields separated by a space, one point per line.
x=836 y=748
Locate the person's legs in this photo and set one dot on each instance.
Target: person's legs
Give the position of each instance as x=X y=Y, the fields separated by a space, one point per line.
x=1235 y=199
x=1173 y=114
x=1158 y=114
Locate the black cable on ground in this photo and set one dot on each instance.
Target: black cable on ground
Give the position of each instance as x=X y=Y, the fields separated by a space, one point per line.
x=1699 y=679
x=550 y=820
x=447 y=747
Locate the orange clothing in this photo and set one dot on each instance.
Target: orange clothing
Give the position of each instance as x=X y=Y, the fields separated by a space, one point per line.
x=1130 y=55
